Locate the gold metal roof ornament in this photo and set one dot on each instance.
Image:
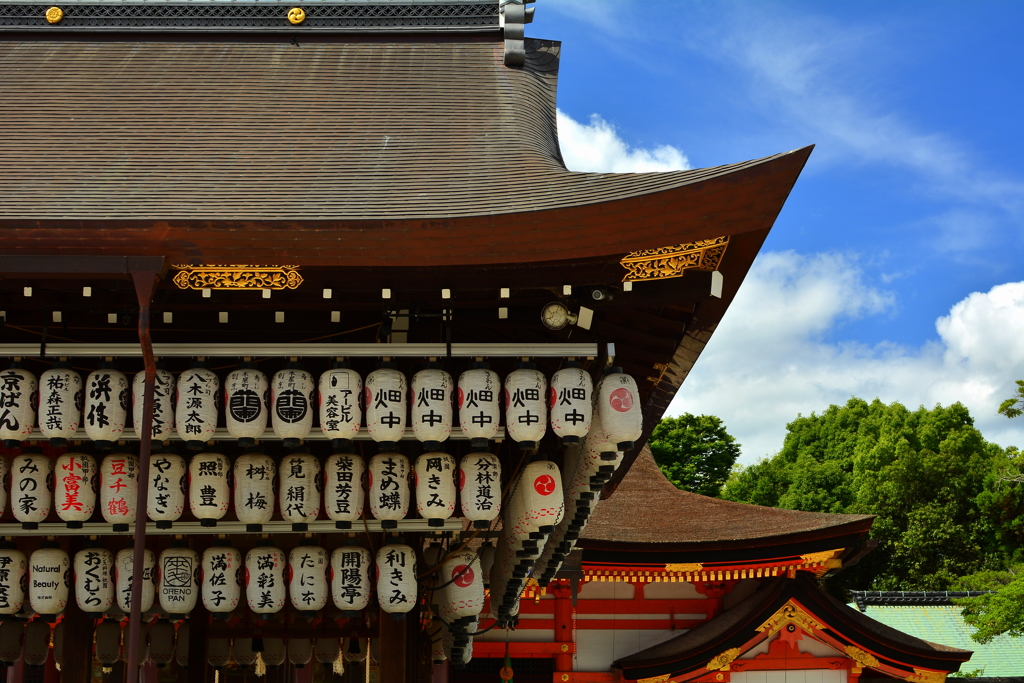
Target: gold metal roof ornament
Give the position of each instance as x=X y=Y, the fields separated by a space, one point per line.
x=926 y=676
x=237 y=277
x=296 y=15
x=672 y=261
x=722 y=661
x=54 y=15
x=790 y=613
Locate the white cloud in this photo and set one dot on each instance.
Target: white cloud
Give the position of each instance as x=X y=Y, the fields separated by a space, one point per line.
x=597 y=147
x=773 y=357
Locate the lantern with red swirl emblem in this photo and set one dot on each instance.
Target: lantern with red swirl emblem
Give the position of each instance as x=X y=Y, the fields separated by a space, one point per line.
x=292 y=396
x=75 y=488
x=18 y=394
x=60 y=403
x=163 y=404
x=462 y=597
x=526 y=406
x=385 y=395
x=618 y=406
x=570 y=401
x=341 y=395
x=196 y=411
x=119 y=489
x=246 y=392
x=105 y=408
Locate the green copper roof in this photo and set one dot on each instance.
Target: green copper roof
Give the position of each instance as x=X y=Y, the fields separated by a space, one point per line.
x=1004 y=656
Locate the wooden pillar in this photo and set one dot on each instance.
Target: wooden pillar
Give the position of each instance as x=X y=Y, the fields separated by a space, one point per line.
x=198 y=621
x=563 y=625
x=78 y=634
x=394 y=649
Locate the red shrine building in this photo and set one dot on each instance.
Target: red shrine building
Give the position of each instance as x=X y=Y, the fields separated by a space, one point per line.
x=321 y=366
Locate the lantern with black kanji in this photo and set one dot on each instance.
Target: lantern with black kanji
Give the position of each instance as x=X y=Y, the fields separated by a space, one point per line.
x=274 y=652
x=178 y=586
x=12 y=579
x=124 y=567
x=241 y=650
x=218 y=652
x=350 y=579
x=570 y=401
x=18 y=391
x=105 y=408
x=161 y=642
x=195 y=414
x=435 y=487
x=480 y=487
x=60 y=403
x=385 y=395
x=299 y=495
x=76 y=478
x=526 y=406
x=343 y=488
x=265 y=581
x=396 y=578
x=163 y=404
x=94 y=580
x=307 y=579
x=31 y=498
x=618 y=405
x=221 y=570
x=3 y=481
x=479 y=403
x=388 y=488
x=166 y=497
x=12 y=632
x=341 y=395
x=300 y=651
x=37 y=644
x=49 y=580
x=119 y=489
x=430 y=412
x=108 y=644
x=291 y=398
x=209 y=491
x=246 y=392
x=254 y=490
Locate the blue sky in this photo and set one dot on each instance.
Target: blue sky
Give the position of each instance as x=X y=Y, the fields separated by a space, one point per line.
x=891 y=272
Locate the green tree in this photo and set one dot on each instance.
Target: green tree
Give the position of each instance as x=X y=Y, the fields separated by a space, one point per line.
x=695 y=452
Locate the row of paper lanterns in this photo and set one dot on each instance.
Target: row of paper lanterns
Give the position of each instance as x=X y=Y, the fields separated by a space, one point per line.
x=73 y=485
x=386 y=401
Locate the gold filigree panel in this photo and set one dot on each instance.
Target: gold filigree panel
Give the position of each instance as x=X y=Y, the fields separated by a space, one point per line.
x=790 y=613
x=237 y=277
x=663 y=678
x=672 y=261
x=860 y=656
x=926 y=676
x=684 y=567
x=722 y=661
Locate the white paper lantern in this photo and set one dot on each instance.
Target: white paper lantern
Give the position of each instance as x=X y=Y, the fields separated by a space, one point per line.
x=246 y=392
x=341 y=392
x=486 y=554
x=60 y=404
x=221 y=570
x=350 y=579
x=388 y=488
x=435 y=487
x=571 y=403
x=209 y=493
x=181 y=645
x=618 y=405
x=292 y=397
x=31 y=498
x=343 y=488
x=479 y=404
x=37 y=643
x=526 y=409
x=13 y=572
x=166 y=497
x=75 y=488
x=299 y=495
x=431 y=407
x=264 y=581
x=18 y=395
x=274 y=652
x=161 y=643
x=300 y=651
x=119 y=489
x=355 y=649
x=108 y=643
x=254 y=490
x=537 y=502
x=307 y=578
x=463 y=596
x=480 y=488
x=3 y=488
x=178 y=585
x=327 y=650
x=94 y=580
x=12 y=632
x=163 y=404
x=396 y=578
x=195 y=414
x=436 y=635
x=105 y=409
x=49 y=580
x=241 y=650
x=385 y=396
x=218 y=652
x=124 y=565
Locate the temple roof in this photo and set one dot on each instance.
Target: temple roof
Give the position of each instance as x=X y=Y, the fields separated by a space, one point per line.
x=663 y=517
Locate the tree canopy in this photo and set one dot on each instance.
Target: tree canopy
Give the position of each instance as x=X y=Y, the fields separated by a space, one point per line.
x=695 y=452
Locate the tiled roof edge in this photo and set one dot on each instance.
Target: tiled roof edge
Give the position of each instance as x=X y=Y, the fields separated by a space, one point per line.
x=864 y=598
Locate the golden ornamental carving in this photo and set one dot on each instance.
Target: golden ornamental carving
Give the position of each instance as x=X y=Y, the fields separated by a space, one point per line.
x=54 y=15
x=663 y=678
x=296 y=15
x=237 y=277
x=722 y=661
x=684 y=567
x=926 y=676
x=820 y=558
x=860 y=656
x=790 y=613
x=674 y=260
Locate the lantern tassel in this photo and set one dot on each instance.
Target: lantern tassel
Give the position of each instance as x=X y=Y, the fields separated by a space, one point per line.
x=260 y=669
x=216 y=676
x=339 y=663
